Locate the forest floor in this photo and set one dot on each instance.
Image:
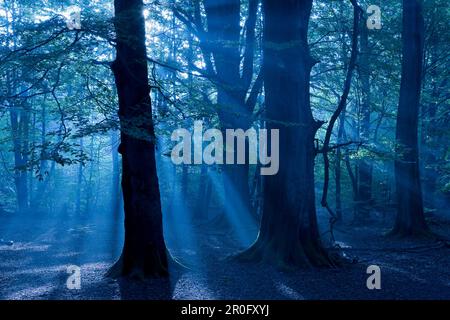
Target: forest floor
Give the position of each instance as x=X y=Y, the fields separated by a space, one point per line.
x=35 y=265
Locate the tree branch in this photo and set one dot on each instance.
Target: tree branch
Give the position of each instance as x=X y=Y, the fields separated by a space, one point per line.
x=247 y=72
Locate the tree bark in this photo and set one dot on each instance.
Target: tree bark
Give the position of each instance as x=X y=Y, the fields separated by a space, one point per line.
x=223 y=17
x=289 y=234
x=115 y=187
x=365 y=164
x=236 y=94
x=43 y=173
x=410 y=219
x=19 y=126
x=19 y=117
x=337 y=167
x=144 y=251
x=201 y=205
x=340 y=108
x=79 y=183
x=431 y=139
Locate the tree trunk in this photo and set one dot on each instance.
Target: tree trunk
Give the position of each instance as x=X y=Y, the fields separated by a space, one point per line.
x=19 y=117
x=337 y=167
x=31 y=171
x=430 y=134
x=222 y=41
x=79 y=183
x=289 y=234
x=230 y=94
x=144 y=251
x=410 y=217
x=365 y=164
x=336 y=114
x=43 y=173
x=20 y=127
x=201 y=211
x=115 y=187
x=89 y=182
x=338 y=159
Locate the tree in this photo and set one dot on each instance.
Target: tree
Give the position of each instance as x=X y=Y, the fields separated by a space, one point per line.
x=115 y=184
x=289 y=233
x=144 y=250
x=410 y=218
x=237 y=90
x=365 y=165
x=339 y=113
x=19 y=111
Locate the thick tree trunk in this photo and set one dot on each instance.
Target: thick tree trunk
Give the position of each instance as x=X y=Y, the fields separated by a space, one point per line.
x=222 y=41
x=144 y=252
x=289 y=234
x=236 y=176
x=410 y=218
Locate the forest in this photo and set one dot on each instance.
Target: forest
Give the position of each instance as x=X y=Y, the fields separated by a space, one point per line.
x=224 y=149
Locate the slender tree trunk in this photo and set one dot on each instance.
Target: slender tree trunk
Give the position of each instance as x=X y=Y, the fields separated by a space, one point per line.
x=19 y=125
x=43 y=173
x=289 y=233
x=19 y=118
x=89 y=187
x=200 y=208
x=337 y=167
x=79 y=183
x=25 y=131
x=338 y=159
x=32 y=167
x=144 y=251
x=430 y=134
x=410 y=217
x=365 y=164
x=336 y=114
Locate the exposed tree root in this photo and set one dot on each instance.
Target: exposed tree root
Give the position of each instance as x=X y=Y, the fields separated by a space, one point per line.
x=291 y=256
x=152 y=268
